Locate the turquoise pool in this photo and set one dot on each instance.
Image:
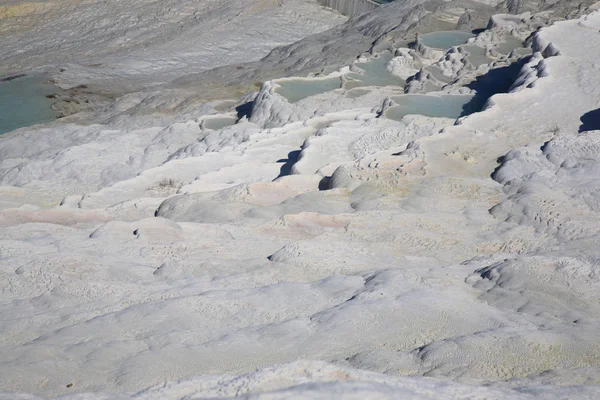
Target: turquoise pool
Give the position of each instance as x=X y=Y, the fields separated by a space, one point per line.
x=23 y=102
x=447 y=106
x=295 y=90
x=445 y=39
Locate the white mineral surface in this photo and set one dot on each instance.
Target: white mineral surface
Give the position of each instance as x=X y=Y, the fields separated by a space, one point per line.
x=169 y=247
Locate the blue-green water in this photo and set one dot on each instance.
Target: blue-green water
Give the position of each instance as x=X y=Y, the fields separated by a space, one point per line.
x=23 y=102
x=445 y=39
x=374 y=73
x=448 y=106
x=510 y=43
x=436 y=72
x=356 y=93
x=477 y=55
x=218 y=123
x=297 y=89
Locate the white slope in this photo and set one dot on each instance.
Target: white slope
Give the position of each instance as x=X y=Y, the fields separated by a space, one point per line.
x=318 y=380
x=462 y=252
x=125 y=45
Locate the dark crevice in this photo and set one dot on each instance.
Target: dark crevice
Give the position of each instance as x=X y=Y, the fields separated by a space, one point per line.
x=286 y=168
x=590 y=121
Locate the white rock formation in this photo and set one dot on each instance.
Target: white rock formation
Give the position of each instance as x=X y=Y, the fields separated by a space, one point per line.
x=422 y=258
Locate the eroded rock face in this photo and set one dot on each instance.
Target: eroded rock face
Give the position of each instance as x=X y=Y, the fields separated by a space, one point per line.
x=145 y=43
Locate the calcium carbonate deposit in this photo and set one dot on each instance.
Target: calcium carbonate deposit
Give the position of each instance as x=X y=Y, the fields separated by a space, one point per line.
x=266 y=199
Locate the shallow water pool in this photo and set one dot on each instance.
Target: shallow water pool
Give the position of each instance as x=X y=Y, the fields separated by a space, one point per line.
x=436 y=72
x=218 y=122
x=295 y=90
x=23 y=102
x=510 y=43
x=477 y=56
x=356 y=93
x=374 y=73
x=445 y=39
x=524 y=51
x=447 y=106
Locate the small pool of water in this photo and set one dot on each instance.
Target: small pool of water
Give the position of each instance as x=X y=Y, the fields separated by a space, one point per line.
x=374 y=73
x=510 y=43
x=23 y=102
x=295 y=90
x=524 y=51
x=436 y=72
x=218 y=122
x=445 y=39
x=403 y=44
x=447 y=106
x=356 y=93
x=477 y=56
